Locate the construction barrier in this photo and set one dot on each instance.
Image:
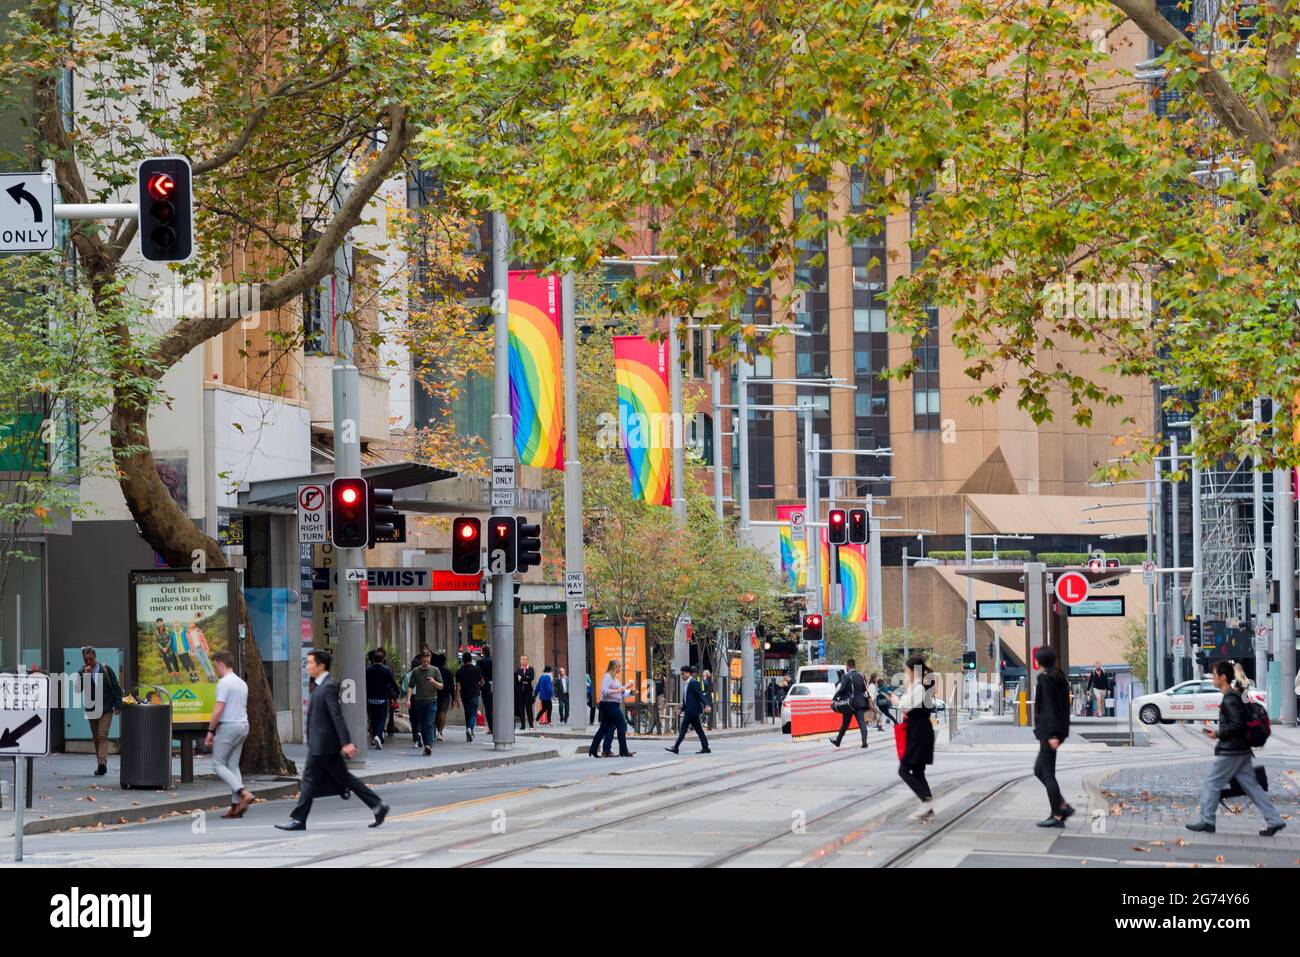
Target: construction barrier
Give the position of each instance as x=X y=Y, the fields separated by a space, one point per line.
x=812 y=715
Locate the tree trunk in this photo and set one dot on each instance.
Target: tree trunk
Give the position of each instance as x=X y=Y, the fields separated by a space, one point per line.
x=176 y=538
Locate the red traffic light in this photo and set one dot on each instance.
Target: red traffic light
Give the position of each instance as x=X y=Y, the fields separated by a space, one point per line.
x=812 y=621
x=161 y=186
x=837 y=516
x=349 y=513
x=468 y=531
x=465 y=556
x=837 y=530
x=348 y=495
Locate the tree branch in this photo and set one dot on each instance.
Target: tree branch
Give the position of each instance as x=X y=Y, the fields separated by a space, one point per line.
x=190 y=332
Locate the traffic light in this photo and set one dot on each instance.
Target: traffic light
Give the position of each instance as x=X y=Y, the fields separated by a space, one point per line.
x=349 y=512
x=969 y=660
x=166 y=209
x=1194 y=630
x=990 y=649
x=1110 y=564
x=383 y=517
x=812 y=627
x=502 y=550
x=1095 y=564
x=466 y=545
x=859 y=526
x=529 y=543
x=837 y=527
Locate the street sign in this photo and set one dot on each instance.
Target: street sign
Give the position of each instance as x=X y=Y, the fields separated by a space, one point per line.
x=1071 y=588
x=1148 y=572
x=503 y=498
x=354 y=575
x=986 y=610
x=26 y=213
x=1179 y=646
x=543 y=608
x=575 y=586
x=1098 y=608
x=797 y=527
x=503 y=473
x=24 y=716
x=313 y=515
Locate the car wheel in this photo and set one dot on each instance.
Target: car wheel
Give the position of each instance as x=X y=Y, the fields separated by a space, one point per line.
x=1149 y=714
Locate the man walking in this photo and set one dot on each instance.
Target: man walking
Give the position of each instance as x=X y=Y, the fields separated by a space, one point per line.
x=328 y=743
x=469 y=685
x=562 y=694
x=707 y=689
x=228 y=730
x=524 y=676
x=381 y=689
x=693 y=705
x=852 y=690
x=422 y=699
x=485 y=666
x=1232 y=759
x=101 y=695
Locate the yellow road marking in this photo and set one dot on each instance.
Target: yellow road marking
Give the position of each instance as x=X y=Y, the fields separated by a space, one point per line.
x=411 y=815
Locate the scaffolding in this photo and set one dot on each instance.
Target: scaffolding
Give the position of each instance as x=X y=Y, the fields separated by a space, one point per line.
x=1228 y=541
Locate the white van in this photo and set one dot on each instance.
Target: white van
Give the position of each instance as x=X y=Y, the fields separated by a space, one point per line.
x=820 y=674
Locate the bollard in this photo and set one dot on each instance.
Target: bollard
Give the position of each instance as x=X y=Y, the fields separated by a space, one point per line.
x=1024 y=715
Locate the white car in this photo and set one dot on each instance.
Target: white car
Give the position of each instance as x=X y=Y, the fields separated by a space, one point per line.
x=820 y=674
x=1196 y=700
x=816 y=689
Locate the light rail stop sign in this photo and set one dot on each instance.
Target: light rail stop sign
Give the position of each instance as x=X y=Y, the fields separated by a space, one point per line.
x=1071 y=588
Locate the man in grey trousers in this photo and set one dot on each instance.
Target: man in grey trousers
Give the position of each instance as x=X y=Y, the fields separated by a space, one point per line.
x=1232 y=759
x=228 y=730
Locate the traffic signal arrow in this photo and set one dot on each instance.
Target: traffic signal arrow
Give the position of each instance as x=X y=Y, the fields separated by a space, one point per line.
x=9 y=739
x=19 y=192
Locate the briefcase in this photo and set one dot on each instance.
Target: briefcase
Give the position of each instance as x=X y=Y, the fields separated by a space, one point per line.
x=1233 y=790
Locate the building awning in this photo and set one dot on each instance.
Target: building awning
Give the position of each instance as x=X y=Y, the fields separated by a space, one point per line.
x=280 y=495
x=1058 y=515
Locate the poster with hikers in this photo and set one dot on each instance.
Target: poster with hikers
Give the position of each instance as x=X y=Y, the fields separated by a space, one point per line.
x=179 y=620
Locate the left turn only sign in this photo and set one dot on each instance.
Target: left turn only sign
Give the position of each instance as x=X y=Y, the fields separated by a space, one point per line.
x=26 y=213
x=24 y=715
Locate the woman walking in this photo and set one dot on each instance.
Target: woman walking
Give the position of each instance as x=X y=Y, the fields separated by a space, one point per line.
x=873 y=693
x=611 y=715
x=1051 y=728
x=918 y=749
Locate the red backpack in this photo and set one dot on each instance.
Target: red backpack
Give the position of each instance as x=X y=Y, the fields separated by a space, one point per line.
x=1258 y=727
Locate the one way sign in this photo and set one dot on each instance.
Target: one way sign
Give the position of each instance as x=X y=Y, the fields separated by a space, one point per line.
x=26 y=213
x=24 y=715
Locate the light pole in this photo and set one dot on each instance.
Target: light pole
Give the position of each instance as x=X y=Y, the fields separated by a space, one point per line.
x=574 y=556
x=502 y=610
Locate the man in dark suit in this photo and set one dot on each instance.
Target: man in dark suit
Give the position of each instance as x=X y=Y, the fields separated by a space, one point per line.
x=524 y=677
x=328 y=743
x=693 y=705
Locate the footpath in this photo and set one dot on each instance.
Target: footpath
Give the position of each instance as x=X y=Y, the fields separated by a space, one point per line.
x=66 y=795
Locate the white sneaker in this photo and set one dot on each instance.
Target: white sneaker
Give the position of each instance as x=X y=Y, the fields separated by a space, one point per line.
x=926 y=813
x=438 y=735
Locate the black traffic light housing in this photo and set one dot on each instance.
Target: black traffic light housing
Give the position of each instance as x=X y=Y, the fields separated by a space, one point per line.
x=1194 y=630
x=383 y=517
x=812 y=627
x=166 y=209
x=502 y=546
x=529 y=544
x=837 y=527
x=969 y=660
x=859 y=526
x=349 y=512
x=466 y=545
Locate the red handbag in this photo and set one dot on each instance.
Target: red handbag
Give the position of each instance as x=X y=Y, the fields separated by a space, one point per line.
x=900 y=737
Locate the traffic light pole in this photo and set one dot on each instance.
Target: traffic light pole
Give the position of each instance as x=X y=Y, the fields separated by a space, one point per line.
x=574 y=557
x=1284 y=563
x=349 y=666
x=1198 y=594
x=502 y=610
x=811 y=518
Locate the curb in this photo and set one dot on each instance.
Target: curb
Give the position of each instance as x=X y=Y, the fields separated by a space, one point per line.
x=271 y=790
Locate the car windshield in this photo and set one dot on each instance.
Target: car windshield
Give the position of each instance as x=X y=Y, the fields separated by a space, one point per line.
x=800 y=689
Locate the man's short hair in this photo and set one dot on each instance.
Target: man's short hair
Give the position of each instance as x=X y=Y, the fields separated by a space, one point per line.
x=87 y=648
x=1224 y=667
x=226 y=658
x=323 y=658
x=851 y=663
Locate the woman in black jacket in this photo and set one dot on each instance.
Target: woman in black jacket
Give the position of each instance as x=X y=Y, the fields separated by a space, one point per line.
x=918 y=749
x=1051 y=728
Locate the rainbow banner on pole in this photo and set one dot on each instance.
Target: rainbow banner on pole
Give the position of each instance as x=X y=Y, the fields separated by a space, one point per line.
x=534 y=322
x=853 y=582
x=644 y=416
x=794 y=552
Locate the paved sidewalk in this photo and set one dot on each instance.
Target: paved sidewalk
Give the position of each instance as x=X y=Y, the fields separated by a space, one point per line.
x=562 y=731
x=66 y=795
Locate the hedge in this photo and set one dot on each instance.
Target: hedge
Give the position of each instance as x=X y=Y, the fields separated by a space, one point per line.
x=1049 y=558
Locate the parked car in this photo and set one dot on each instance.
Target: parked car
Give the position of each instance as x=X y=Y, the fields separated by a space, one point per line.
x=1195 y=700
x=817 y=689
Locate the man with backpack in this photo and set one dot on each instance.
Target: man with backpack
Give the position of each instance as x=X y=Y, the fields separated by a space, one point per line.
x=1242 y=726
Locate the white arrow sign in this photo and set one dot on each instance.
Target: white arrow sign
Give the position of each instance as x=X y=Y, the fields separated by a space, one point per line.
x=26 y=213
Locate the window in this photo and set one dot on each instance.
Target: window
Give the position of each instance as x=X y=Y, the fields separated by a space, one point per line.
x=861 y=404
x=870 y=320
x=862 y=362
x=761 y=367
x=697 y=353
x=926 y=402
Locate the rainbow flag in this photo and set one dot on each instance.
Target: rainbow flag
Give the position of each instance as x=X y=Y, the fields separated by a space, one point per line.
x=853 y=582
x=534 y=323
x=644 y=416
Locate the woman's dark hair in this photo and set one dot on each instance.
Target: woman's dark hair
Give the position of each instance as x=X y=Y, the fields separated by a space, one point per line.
x=918 y=661
x=1047 y=659
x=546 y=670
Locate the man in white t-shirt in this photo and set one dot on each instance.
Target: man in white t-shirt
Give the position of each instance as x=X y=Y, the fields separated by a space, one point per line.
x=228 y=730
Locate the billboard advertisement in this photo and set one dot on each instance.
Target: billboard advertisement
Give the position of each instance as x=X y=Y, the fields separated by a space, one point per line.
x=179 y=620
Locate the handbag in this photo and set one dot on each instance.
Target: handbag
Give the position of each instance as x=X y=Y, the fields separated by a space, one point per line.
x=840 y=705
x=1234 y=789
x=900 y=737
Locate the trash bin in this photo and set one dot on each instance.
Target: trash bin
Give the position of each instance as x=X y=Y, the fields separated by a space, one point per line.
x=146 y=740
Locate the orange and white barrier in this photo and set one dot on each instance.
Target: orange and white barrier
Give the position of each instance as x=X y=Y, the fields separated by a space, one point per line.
x=811 y=715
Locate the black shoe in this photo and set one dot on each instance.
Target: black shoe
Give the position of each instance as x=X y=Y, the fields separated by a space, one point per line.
x=291 y=825
x=673 y=750
x=705 y=751
x=1201 y=826
x=380 y=813
x=834 y=741
x=346 y=795
x=1051 y=822
x=1066 y=812
x=1270 y=831
x=864 y=744
x=628 y=755
x=101 y=770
